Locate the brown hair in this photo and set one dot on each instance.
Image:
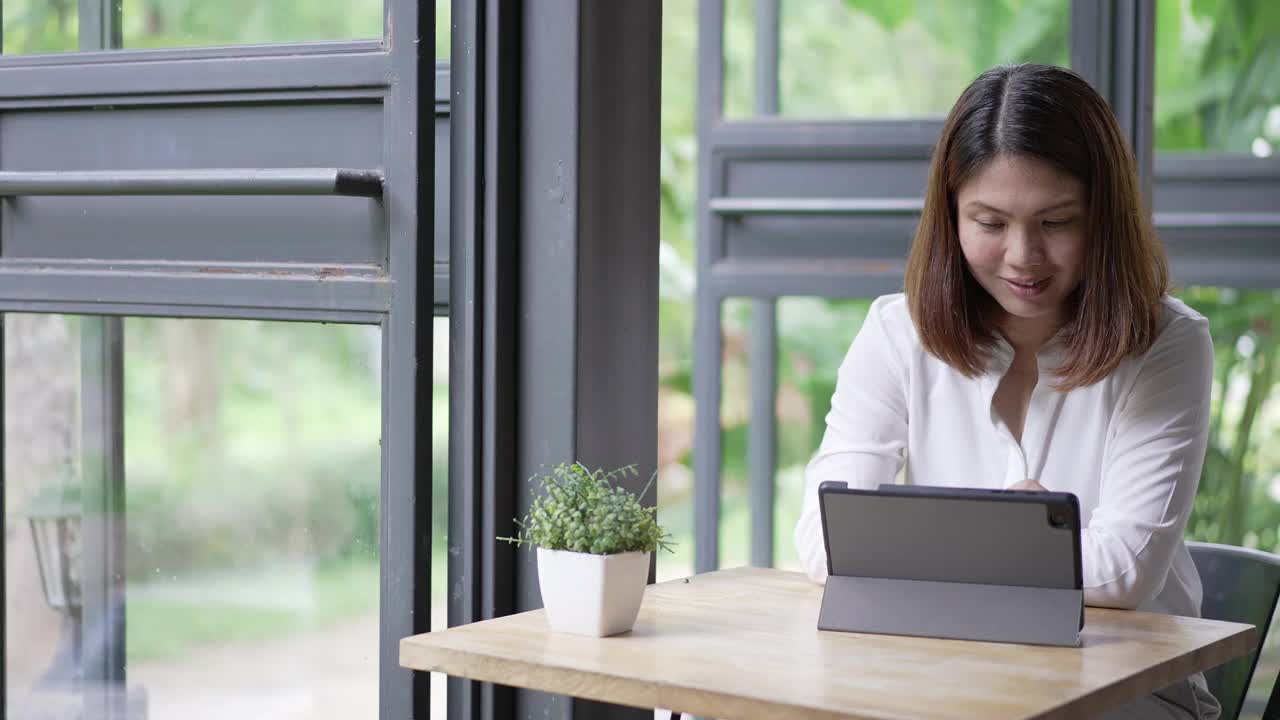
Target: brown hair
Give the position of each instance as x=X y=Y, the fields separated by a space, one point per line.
x=1051 y=114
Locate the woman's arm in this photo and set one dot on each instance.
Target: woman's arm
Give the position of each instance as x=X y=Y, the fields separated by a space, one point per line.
x=1151 y=470
x=866 y=431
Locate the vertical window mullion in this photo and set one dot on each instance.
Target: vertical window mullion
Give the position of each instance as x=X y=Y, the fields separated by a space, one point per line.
x=102 y=616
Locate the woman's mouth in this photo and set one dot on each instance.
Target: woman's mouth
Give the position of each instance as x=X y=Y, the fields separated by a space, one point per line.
x=1027 y=287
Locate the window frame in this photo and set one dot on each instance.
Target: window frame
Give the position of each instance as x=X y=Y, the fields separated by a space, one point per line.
x=399 y=75
x=1112 y=44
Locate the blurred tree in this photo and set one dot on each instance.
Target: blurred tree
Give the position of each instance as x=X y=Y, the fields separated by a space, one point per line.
x=1216 y=61
x=39 y=26
x=1216 y=64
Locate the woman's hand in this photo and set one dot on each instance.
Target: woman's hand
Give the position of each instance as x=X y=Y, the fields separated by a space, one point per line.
x=1028 y=485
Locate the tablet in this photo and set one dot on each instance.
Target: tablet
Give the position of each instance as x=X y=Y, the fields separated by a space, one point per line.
x=921 y=532
x=1015 y=552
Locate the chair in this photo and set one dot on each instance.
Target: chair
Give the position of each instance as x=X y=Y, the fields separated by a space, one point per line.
x=1240 y=585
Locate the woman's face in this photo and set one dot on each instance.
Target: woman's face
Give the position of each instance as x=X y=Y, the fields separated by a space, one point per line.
x=1022 y=227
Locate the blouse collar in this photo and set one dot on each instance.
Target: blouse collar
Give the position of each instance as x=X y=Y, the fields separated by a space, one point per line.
x=1050 y=357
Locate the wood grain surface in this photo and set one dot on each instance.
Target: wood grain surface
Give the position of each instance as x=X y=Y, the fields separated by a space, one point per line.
x=743 y=644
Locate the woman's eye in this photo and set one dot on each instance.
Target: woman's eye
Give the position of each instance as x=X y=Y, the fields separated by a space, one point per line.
x=989 y=226
x=1056 y=223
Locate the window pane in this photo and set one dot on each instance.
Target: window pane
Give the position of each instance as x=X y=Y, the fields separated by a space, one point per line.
x=1216 y=68
x=813 y=336
x=51 y=26
x=444 y=9
x=876 y=59
x=439 y=500
x=1238 y=502
x=675 y=284
x=195 y=23
x=39 y=26
x=249 y=542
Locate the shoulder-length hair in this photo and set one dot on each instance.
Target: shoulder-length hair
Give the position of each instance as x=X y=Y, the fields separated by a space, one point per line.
x=1051 y=114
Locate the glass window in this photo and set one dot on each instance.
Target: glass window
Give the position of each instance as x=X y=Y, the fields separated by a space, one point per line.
x=444 y=37
x=813 y=336
x=439 y=500
x=39 y=26
x=192 y=23
x=249 y=543
x=1238 y=502
x=676 y=427
x=876 y=59
x=739 y=58
x=675 y=285
x=51 y=26
x=1216 y=68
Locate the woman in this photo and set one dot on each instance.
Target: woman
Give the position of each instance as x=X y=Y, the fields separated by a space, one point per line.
x=1036 y=348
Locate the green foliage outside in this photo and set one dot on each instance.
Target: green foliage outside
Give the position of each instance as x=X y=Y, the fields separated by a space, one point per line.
x=1216 y=65
x=45 y=26
x=252 y=457
x=164 y=626
x=39 y=26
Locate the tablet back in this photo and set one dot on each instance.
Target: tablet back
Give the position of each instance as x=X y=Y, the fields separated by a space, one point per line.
x=953 y=563
x=948 y=535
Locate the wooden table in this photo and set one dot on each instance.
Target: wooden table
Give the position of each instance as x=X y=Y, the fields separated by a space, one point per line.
x=743 y=644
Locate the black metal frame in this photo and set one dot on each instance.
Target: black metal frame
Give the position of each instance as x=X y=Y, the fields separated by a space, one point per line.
x=398 y=75
x=484 y=182
x=554 y=317
x=302 y=181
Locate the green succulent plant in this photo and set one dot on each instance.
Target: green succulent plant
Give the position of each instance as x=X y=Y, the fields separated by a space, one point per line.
x=584 y=511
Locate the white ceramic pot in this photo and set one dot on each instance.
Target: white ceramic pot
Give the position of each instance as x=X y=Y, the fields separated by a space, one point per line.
x=596 y=595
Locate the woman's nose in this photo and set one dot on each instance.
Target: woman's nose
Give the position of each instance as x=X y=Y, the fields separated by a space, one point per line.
x=1025 y=246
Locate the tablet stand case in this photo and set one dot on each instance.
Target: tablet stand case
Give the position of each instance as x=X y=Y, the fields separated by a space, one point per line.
x=948 y=567
x=961 y=611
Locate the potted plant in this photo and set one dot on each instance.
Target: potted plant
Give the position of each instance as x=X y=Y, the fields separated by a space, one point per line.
x=594 y=542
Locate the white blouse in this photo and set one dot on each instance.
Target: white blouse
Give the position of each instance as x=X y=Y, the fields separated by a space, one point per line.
x=1130 y=446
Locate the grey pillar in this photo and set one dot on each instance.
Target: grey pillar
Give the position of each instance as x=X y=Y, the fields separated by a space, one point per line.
x=103 y=627
x=763 y=440
x=1113 y=47
x=707 y=340
x=484 y=232
x=103 y=516
x=408 y=195
x=4 y=621
x=100 y=26
x=588 y=298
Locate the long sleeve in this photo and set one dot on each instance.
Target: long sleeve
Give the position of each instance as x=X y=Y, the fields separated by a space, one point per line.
x=1151 y=470
x=866 y=432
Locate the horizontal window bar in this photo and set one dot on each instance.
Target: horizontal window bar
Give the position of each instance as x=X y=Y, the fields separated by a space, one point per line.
x=338 y=293
x=907 y=138
x=1216 y=220
x=824 y=277
x=816 y=206
x=293 y=181
x=166 y=73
